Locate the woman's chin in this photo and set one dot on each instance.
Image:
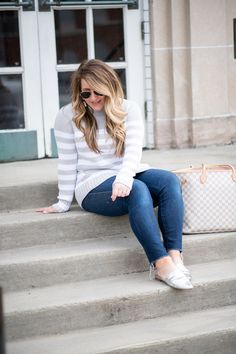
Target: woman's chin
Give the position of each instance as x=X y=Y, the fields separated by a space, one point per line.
x=97 y=106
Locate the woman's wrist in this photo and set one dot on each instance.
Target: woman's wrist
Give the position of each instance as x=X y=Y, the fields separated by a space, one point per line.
x=61 y=206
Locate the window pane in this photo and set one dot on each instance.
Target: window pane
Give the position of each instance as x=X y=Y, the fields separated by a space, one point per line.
x=122 y=75
x=109 y=34
x=64 y=85
x=71 y=40
x=64 y=88
x=9 y=39
x=11 y=102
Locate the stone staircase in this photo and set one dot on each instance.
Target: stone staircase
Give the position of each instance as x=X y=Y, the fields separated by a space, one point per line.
x=78 y=283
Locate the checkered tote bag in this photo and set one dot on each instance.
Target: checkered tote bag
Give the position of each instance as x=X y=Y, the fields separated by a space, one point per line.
x=209 y=194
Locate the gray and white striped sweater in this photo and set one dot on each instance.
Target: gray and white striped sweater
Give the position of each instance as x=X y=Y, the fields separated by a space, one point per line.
x=80 y=169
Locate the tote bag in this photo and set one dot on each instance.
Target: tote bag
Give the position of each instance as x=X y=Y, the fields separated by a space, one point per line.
x=209 y=195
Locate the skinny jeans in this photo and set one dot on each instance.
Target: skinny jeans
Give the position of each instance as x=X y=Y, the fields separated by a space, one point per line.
x=157 y=233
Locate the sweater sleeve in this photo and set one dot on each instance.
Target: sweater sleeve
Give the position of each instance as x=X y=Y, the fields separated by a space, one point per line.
x=67 y=160
x=133 y=146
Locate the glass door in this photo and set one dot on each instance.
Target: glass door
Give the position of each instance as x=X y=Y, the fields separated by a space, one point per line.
x=69 y=34
x=21 y=115
x=11 y=92
x=38 y=52
x=74 y=30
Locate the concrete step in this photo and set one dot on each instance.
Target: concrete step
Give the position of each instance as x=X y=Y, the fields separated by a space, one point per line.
x=69 y=261
x=32 y=195
x=32 y=184
x=28 y=184
x=30 y=267
x=28 y=228
x=207 y=332
x=115 y=300
x=83 y=265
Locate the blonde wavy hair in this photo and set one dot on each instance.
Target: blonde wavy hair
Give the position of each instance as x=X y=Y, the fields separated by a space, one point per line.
x=103 y=79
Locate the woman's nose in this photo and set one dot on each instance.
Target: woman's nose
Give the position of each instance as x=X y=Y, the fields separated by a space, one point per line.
x=93 y=96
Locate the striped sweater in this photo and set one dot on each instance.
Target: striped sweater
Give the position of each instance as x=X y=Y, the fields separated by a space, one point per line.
x=80 y=169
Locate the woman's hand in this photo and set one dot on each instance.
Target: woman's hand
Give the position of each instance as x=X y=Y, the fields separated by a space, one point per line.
x=47 y=210
x=119 y=190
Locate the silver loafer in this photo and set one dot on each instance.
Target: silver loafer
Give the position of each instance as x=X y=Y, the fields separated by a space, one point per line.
x=184 y=270
x=181 y=267
x=176 y=279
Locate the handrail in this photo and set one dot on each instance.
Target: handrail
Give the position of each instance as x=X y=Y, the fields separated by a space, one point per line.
x=45 y=5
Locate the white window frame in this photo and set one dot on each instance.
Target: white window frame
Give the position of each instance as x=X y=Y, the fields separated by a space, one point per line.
x=29 y=59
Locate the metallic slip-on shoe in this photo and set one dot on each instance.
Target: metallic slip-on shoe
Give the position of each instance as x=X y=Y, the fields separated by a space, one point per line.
x=176 y=279
x=184 y=270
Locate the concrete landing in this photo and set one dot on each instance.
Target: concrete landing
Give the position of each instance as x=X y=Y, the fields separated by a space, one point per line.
x=45 y=170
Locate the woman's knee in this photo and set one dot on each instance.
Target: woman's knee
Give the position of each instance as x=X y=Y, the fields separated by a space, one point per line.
x=140 y=194
x=173 y=182
x=173 y=179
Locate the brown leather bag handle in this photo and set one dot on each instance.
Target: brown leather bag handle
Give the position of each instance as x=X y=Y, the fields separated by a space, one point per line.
x=204 y=172
x=203 y=177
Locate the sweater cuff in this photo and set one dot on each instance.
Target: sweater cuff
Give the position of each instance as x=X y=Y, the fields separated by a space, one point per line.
x=62 y=206
x=124 y=179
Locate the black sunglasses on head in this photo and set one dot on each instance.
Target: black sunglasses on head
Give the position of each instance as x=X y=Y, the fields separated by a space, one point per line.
x=87 y=94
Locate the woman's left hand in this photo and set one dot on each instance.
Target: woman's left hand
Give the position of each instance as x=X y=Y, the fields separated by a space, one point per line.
x=47 y=210
x=119 y=190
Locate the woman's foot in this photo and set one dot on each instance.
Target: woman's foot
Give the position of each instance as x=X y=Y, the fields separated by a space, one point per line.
x=177 y=258
x=166 y=271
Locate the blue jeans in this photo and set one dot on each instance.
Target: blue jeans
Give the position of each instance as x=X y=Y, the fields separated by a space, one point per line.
x=151 y=188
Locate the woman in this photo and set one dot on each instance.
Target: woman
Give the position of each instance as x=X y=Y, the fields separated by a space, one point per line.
x=99 y=138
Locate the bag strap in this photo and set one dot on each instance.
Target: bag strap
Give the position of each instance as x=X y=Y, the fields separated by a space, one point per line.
x=203 y=177
x=204 y=170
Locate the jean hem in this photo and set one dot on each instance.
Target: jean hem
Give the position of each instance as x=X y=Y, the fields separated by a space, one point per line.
x=157 y=259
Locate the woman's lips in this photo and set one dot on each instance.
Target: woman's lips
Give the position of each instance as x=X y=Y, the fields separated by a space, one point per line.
x=96 y=105
x=96 y=102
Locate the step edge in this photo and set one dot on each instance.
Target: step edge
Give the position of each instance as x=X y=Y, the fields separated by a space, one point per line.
x=159 y=287
x=102 y=330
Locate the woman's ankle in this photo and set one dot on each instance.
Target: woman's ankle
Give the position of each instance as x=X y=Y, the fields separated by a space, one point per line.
x=164 y=266
x=162 y=261
x=176 y=256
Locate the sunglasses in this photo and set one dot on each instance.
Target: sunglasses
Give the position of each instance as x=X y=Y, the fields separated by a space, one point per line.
x=87 y=94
